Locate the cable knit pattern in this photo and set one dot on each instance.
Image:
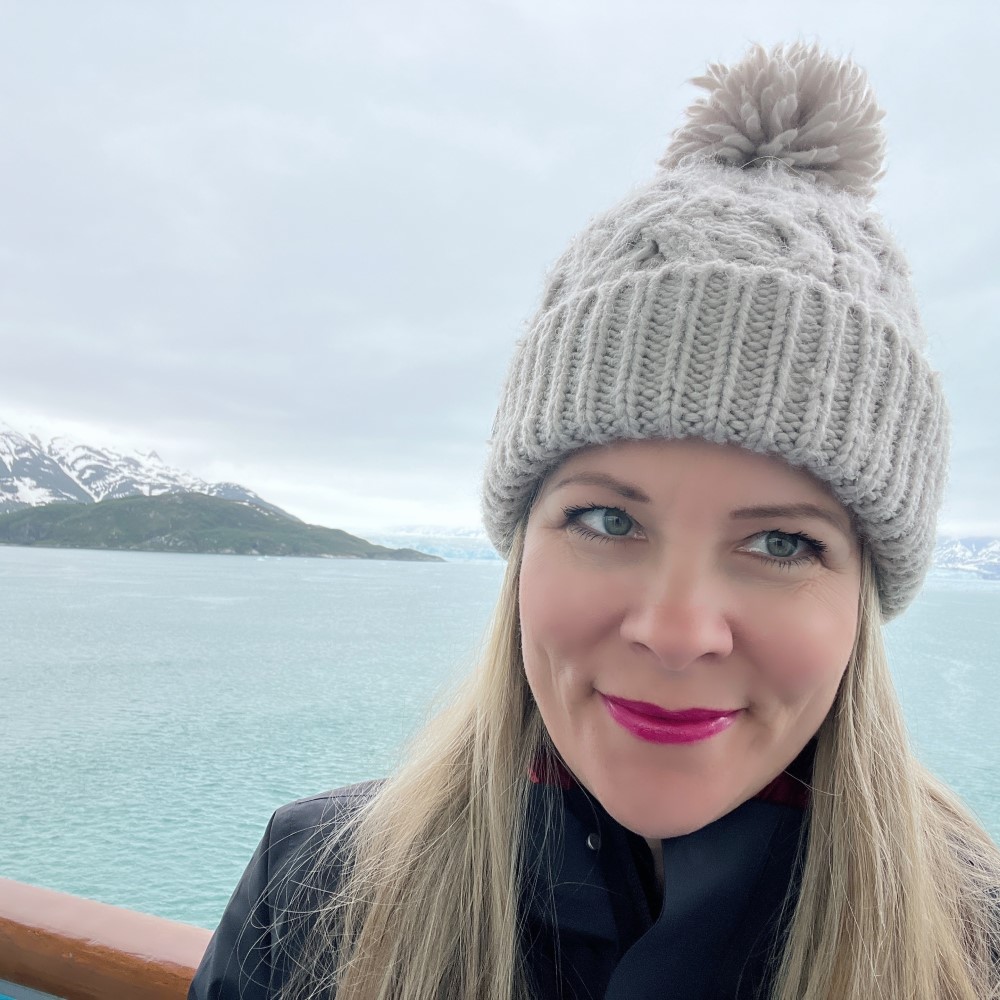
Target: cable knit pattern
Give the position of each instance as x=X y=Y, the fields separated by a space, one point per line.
x=752 y=307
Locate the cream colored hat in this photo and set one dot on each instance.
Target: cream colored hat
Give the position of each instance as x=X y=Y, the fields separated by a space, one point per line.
x=747 y=294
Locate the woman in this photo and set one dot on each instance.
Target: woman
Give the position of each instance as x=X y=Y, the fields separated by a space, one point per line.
x=680 y=770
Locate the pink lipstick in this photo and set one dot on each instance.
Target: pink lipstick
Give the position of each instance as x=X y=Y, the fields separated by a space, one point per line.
x=657 y=725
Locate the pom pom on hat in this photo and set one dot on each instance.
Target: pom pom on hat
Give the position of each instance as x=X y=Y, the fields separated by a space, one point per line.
x=797 y=105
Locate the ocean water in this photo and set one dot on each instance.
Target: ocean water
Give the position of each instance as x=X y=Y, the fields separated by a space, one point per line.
x=155 y=709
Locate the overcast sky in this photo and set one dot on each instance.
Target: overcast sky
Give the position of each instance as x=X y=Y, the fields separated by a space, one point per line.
x=292 y=244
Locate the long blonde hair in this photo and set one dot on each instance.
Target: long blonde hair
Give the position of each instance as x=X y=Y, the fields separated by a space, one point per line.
x=900 y=890
x=900 y=893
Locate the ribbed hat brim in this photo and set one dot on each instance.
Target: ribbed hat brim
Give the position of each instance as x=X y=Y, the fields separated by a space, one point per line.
x=734 y=354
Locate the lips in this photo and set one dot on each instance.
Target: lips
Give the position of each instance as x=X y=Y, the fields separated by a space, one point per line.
x=658 y=725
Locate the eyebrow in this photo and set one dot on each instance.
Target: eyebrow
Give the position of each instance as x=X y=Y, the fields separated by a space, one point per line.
x=793 y=510
x=625 y=490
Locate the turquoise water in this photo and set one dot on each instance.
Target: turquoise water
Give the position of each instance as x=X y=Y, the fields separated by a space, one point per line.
x=156 y=708
x=945 y=656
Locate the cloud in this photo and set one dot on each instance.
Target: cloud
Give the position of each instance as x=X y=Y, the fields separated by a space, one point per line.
x=297 y=244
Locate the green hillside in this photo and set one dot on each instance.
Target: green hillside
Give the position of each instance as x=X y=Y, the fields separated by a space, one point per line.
x=185 y=522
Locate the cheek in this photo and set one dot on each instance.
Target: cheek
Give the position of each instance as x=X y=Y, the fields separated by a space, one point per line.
x=565 y=619
x=561 y=607
x=804 y=653
x=540 y=621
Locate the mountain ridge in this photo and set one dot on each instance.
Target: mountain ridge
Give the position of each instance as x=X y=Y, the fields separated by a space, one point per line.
x=977 y=554
x=34 y=472
x=190 y=523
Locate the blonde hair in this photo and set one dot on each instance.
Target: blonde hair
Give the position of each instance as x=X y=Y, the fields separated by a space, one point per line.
x=900 y=892
x=900 y=887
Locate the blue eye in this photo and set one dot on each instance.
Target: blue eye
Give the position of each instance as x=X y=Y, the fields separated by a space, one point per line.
x=787 y=547
x=780 y=545
x=602 y=522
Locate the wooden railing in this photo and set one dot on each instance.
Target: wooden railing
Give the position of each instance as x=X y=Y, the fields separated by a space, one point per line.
x=83 y=950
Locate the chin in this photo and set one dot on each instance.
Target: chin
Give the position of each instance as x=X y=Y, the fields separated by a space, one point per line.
x=666 y=827
x=680 y=813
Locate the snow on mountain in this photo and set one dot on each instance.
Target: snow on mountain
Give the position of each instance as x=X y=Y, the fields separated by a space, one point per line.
x=33 y=472
x=105 y=474
x=449 y=543
x=980 y=556
x=28 y=476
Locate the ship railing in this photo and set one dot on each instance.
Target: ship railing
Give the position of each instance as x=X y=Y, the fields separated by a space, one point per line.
x=53 y=944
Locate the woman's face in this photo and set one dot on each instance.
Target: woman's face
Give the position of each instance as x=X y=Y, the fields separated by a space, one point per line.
x=687 y=613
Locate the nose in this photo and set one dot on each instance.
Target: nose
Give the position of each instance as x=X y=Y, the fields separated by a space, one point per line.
x=680 y=616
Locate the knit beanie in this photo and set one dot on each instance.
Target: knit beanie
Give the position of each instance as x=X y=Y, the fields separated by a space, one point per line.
x=749 y=295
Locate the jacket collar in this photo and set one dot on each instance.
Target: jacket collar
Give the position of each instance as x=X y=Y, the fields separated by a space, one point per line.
x=725 y=886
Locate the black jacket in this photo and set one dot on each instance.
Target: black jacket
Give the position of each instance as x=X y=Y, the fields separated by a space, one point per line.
x=594 y=924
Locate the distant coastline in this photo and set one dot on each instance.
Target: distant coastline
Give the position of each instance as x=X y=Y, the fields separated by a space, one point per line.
x=187 y=522
x=66 y=494
x=194 y=522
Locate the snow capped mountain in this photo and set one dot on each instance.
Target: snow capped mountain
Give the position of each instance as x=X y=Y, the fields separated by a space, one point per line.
x=969 y=555
x=33 y=472
x=107 y=474
x=460 y=544
x=28 y=476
